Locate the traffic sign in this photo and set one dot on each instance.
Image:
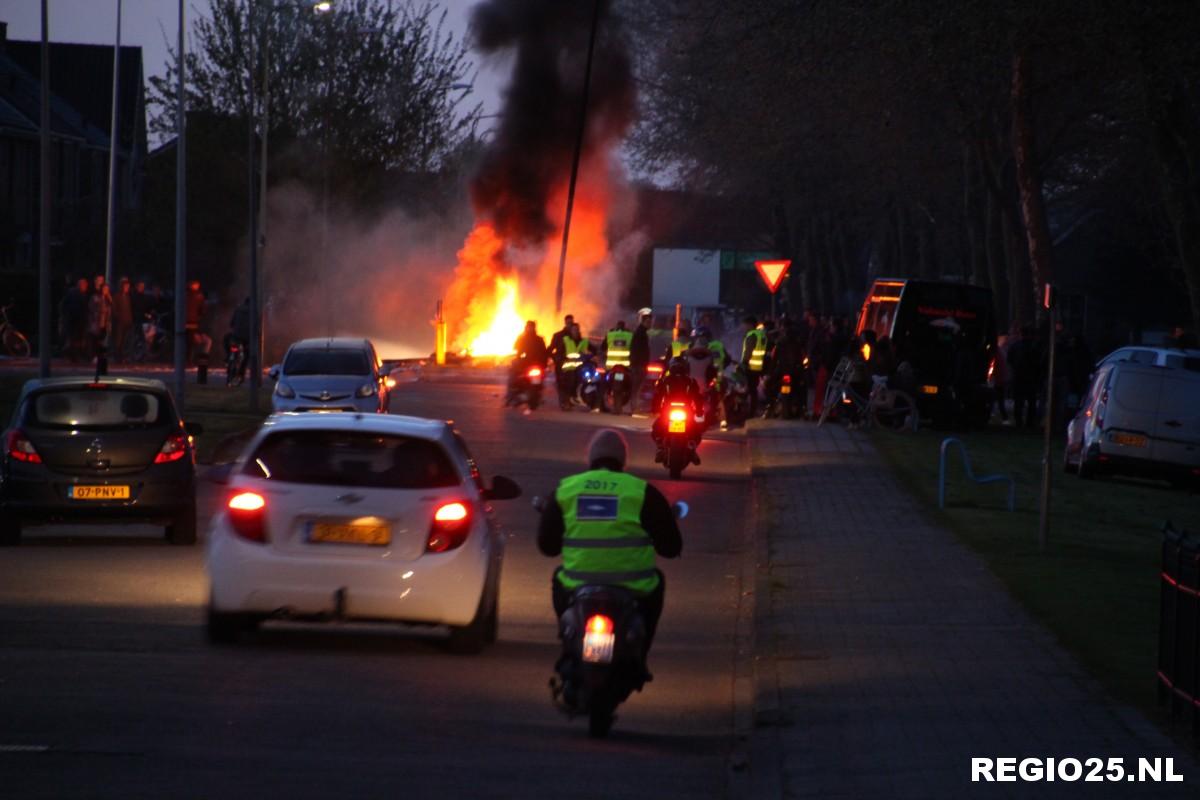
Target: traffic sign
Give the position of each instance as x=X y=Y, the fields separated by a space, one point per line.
x=772 y=272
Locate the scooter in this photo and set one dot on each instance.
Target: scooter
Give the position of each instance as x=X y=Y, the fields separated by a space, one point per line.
x=526 y=387
x=603 y=658
x=790 y=396
x=589 y=389
x=235 y=362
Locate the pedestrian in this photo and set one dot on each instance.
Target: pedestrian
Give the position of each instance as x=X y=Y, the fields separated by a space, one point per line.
x=1000 y=380
x=818 y=344
x=754 y=353
x=1025 y=373
x=558 y=354
x=195 y=307
x=100 y=306
x=75 y=310
x=639 y=357
x=122 y=339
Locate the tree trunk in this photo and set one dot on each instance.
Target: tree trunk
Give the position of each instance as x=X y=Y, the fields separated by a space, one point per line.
x=975 y=216
x=997 y=264
x=1029 y=182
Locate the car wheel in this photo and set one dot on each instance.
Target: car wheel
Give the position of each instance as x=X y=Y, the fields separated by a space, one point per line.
x=182 y=529
x=471 y=638
x=10 y=532
x=223 y=627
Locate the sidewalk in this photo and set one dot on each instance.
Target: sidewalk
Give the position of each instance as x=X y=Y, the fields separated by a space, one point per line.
x=887 y=655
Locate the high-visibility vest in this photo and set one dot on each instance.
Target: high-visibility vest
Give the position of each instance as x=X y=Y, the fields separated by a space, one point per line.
x=603 y=540
x=679 y=346
x=719 y=354
x=573 y=351
x=757 y=349
x=617 y=344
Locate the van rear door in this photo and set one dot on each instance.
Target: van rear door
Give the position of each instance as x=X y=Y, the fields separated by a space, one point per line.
x=1177 y=424
x=1129 y=420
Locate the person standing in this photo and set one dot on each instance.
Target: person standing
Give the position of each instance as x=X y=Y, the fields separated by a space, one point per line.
x=639 y=357
x=99 y=316
x=754 y=353
x=557 y=350
x=122 y=321
x=1025 y=373
x=75 y=312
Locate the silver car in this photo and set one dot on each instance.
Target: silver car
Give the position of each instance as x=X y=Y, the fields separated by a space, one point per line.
x=334 y=374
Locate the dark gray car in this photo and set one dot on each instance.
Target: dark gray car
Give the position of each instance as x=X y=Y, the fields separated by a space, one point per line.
x=98 y=451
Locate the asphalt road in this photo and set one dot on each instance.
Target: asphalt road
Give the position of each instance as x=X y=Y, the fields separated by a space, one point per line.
x=109 y=689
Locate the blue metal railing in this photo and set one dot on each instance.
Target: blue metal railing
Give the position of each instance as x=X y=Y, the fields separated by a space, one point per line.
x=962 y=448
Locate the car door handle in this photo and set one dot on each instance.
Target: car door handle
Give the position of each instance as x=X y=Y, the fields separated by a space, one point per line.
x=1173 y=423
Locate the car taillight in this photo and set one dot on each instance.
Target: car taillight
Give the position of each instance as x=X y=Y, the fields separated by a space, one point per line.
x=451 y=524
x=173 y=449
x=654 y=369
x=19 y=448
x=246 y=512
x=598 y=623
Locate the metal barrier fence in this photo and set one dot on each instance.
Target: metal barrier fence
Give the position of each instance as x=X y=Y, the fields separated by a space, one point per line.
x=1179 y=625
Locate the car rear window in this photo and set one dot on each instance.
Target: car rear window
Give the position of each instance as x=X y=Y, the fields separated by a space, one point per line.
x=96 y=409
x=353 y=458
x=1138 y=391
x=327 y=362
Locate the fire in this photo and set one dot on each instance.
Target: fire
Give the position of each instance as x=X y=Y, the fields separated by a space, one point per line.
x=506 y=324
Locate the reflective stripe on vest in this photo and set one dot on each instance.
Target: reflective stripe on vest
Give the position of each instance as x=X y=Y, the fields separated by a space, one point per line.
x=759 y=351
x=603 y=540
x=573 y=351
x=617 y=344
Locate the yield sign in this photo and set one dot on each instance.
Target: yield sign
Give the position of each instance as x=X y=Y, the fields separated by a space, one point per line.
x=772 y=272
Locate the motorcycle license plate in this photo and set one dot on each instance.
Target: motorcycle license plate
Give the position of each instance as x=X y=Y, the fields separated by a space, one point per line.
x=620 y=376
x=785 y=390
x=98 y=492
x=677 y=426
x=536 y=380
x=598 y=647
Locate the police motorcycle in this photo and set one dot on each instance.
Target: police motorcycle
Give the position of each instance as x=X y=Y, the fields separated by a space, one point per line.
x=525 y=384
x=603 y=658
x=589 y=383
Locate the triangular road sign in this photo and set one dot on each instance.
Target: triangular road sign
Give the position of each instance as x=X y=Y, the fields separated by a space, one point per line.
x=772 y=272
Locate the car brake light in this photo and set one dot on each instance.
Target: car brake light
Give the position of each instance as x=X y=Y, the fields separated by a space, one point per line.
x=21 y=449
x=246 y=511
x=655 y=368
x=173 y=449
x=598 y=623
x=451 y=524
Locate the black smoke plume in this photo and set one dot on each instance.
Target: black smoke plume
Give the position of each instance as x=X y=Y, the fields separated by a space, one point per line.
x=530 y=154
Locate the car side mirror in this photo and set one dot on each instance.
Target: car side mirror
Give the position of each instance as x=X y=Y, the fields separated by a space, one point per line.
x=220 y=473
x=502 y=489
x=273 y=372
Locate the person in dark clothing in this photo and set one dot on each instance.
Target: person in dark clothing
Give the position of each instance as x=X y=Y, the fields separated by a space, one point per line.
x=1025 y=375
x=639 y=357
x=786 y=358
x=632 y=567
x=557 y=350
x=678 y=385
x=75 y=319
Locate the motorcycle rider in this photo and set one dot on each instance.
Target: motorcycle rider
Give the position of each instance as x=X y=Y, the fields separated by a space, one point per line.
x=558 y=351
x=787 y=358
x=639 y=357
x=754 y=353
x=680 y=344
x=530 y=349
x=573 y=348
x=705 y=371
x=677 y=385
x=608 y=525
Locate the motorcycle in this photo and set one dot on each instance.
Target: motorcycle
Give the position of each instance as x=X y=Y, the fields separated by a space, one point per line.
x=619 y=390
x=736 y=399
x=589 y=388
x=235 y=362
x=678 y=425
x=526 y=387
x=603 y=659
x=154 y=343
x=790 y=396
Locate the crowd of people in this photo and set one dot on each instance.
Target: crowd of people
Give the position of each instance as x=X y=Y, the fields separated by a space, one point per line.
x=128 y=324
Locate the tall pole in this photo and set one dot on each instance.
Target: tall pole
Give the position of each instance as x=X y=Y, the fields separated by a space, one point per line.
x=1044 y=517
x=255 y=345
x=44 y=344
x=180 y=220
x=587 y=81
x=251 y=190
x=113 y=147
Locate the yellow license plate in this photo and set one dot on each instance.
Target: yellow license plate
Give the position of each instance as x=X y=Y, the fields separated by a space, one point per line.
x=785 y=390
x=332 y=533
x=929 y=389
x=1129 y=439
x=98 y=492
x=677 y=426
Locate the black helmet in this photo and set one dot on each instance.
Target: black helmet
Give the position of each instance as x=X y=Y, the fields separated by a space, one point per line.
x=678 y=366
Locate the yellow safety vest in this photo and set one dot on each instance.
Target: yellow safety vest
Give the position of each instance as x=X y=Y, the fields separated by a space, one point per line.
x=719 y=355
x=617 y=344
x=573 y=351
x=758 y=350
x=679 y=346
x=603 y=539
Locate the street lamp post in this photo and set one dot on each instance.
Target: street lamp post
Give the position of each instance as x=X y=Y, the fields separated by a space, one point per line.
x=180 y=218
x=113 y=144
x=44 y=220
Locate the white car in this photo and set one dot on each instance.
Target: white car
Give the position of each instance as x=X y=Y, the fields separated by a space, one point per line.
x=1172 y=357
x=351 y=516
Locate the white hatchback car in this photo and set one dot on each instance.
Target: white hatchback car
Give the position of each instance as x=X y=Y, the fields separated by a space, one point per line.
x=356 y=517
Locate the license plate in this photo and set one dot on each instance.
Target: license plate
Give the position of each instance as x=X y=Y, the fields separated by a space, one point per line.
x=536 y=380
x=677 y=426
x=785 y=390
x=1129 y=439
x=620 y=376
x=929 y=390
x=332 y=533
x=98 y=492
x=598 y=647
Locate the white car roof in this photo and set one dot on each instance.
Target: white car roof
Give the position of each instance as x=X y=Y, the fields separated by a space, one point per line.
x=1158 y=351
x=394 y=424
x=329 y=342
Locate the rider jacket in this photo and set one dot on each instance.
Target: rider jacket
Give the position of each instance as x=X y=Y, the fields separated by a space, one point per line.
x=530 y=349
x=677 y=387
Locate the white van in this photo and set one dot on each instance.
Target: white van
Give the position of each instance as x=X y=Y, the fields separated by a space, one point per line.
x=1140 y=420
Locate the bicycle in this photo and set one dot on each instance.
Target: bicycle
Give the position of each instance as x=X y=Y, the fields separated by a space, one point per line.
x=890 y=409
x=15 y=343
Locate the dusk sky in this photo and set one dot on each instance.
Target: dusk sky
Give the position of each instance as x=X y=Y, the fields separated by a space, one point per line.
x=149 y=23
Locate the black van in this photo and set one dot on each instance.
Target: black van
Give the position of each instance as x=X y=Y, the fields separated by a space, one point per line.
x=947 y=332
